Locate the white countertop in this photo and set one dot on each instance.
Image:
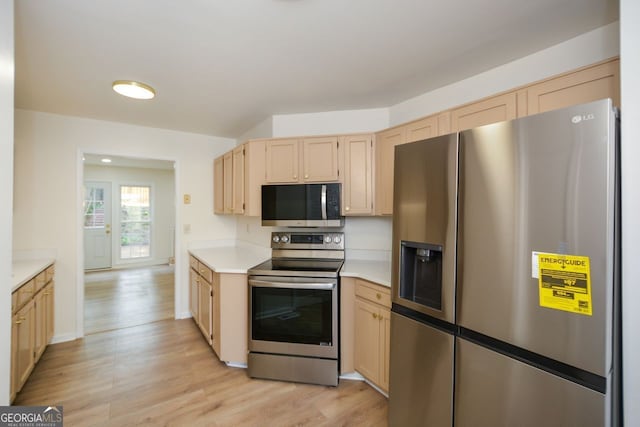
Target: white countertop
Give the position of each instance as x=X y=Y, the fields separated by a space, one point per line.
x=231 y=259
x=25 y=270
x=374 y=271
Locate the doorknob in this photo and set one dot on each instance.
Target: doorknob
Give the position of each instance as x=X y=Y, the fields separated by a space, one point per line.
x=107 y=231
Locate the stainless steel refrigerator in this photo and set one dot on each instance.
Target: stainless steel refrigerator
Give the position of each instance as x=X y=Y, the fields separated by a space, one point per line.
x=505 y=274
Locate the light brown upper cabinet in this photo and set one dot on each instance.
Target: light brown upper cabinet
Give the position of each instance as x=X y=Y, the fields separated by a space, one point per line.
x=228 y=182
x=320 y=159
x=238 y=180
x=422 y=129
x=293 y=160
x=282 y=161
x=585 y=85
x=385 y=143
x=218 y=185
x=356 y=159
x=254 y=171
x=493 y=110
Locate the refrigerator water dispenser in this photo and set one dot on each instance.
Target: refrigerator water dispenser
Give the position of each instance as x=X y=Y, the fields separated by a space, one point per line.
x=421 y=274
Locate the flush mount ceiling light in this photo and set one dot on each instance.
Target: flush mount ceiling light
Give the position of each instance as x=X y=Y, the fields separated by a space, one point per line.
x=105 y=160
x=134 y=89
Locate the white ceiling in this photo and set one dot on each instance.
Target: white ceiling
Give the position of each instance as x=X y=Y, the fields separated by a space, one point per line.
x=220 y=67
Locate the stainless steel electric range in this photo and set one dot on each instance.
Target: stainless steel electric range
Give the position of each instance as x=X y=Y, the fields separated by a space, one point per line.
x=293 y=309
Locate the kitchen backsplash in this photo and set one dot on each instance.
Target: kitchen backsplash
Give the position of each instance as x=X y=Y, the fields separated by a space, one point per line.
x=361 y=234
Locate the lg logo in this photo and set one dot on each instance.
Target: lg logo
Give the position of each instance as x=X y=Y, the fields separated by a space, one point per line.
x=579 y=118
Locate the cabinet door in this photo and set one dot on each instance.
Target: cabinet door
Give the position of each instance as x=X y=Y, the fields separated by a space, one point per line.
x=281 y=160
x=49 y=295
x=422 y=129
x=320 y=159
x=238 y=180
x=492 y=110
x=14 y=357
x=385 y=143
x=24 y=321
x=227 y=182
x=357 y=175
x=218 y=185
x=367 y=345
x=385 y=344
x=194 y=294
x=254 y=171
x=215 y=314
x=590 y=84
x=40 y=325
x=204 y=310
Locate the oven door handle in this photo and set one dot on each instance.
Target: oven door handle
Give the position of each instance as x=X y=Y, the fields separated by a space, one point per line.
x=291 y=285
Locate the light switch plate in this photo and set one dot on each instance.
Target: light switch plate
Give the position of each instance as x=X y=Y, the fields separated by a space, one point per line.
x=187 y=199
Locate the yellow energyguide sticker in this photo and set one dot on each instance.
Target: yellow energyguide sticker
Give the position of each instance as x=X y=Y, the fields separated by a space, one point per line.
x=564 y=282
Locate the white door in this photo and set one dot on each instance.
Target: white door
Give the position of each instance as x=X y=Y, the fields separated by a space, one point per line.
x=97 y=225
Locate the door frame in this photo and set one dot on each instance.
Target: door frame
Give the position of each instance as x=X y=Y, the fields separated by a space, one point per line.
x=177 y=301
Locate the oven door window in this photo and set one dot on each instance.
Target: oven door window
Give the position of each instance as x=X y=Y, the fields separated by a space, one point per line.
x=301 y=316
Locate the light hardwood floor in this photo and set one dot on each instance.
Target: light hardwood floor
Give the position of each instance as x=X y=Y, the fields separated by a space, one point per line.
x=116 y=299
x=164 y=374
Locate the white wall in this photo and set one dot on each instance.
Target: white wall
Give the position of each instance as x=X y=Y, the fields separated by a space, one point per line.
x=586 y=49
x=48 y=183
x=630 y=111
x=331 y=122
x=163 y=207
x=6 y=190
x=264 y=129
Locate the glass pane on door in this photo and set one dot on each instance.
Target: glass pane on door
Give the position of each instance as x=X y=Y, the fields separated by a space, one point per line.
x=135 y=222
x=93 y=207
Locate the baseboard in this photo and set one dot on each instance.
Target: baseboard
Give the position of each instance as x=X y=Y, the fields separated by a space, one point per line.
x=236 y=365
x=184 y=315
x=62 y=338
x=353 y=376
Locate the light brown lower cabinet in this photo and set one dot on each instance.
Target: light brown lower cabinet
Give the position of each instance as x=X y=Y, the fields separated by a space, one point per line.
x=31 y=327
x=218 y=304
x=23 y=334
x=365 y=330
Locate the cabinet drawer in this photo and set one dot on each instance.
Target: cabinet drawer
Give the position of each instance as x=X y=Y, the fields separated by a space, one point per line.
x=374 y=293
x=193 y=262
x=14 y=302
x=205 y=272
x=25 y=293
x=49 y=273
x=41 y=280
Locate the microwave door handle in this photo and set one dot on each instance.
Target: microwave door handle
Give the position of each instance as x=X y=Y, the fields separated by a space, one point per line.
x=323 y=201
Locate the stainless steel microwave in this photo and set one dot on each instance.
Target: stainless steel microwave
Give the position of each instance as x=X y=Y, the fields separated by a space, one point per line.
x=301 y=205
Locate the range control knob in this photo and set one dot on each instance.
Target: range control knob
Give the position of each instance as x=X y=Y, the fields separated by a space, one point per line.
x=327 y=239
x=284 y=239
x=276 y=239
x=337 y=239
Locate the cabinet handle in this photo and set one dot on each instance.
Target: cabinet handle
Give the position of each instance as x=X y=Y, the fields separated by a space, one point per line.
x=347 y=209
x=20 y=320
x=295 y=176
x=306 y=177
x=378 y=296
x=375 y=316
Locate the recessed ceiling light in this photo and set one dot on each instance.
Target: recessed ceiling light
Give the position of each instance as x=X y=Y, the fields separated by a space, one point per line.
x=133 y=89
x=105 y=160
